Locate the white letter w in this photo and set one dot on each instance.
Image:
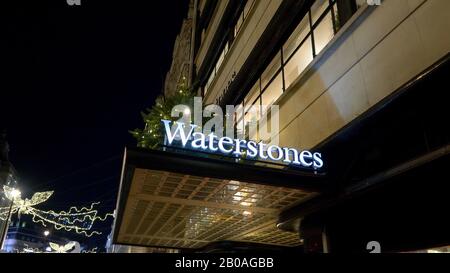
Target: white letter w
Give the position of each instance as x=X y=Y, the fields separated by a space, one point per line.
x=179 y=130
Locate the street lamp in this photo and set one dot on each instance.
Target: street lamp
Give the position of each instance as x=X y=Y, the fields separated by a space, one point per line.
x=14 y=194
x=46 y=233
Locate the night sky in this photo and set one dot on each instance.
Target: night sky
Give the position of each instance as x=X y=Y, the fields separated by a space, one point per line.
x=74 y=81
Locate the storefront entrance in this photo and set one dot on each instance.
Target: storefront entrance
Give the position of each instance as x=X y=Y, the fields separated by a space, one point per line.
x=182 y=201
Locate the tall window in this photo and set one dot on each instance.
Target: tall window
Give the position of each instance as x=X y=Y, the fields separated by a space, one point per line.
x=323 y=26
x=273 y=91
x=237 y=27
x=252 y=110
x=310 y=37
x=298 y=61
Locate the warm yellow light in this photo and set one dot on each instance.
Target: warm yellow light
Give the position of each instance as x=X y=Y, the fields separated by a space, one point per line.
x=237 y=198
x=75 y=219
x=244 y=194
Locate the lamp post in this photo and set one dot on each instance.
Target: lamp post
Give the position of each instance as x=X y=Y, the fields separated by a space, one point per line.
x=14 y=194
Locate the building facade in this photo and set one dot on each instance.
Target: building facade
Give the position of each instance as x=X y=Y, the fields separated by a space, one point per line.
x=181 y=69
x=362 y=83
x=23 y=237
x=8 y=177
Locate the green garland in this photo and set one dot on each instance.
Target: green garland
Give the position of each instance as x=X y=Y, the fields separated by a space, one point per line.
x=151 y=136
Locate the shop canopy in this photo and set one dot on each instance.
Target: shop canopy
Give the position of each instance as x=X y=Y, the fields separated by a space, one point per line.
x=180 y=200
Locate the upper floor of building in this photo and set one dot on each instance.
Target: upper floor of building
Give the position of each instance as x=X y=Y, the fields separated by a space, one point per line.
x=322 y=60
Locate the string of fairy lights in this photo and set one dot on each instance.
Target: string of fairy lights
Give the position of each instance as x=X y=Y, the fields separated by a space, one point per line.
x=77 y=219
x=80 y=220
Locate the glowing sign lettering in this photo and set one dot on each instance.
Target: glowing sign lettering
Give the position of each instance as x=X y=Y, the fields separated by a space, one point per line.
x=180 y=134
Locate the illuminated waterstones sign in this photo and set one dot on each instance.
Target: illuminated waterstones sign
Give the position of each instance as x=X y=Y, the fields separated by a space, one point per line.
x=179 y=133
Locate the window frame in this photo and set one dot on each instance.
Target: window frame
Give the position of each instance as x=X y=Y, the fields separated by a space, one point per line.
x=232 y=33
x=331 y=8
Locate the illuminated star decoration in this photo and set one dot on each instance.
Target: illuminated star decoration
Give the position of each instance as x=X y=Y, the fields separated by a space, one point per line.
x=75 y=219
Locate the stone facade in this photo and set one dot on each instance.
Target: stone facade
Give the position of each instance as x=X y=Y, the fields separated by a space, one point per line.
x=352 y=73
x=181 y=59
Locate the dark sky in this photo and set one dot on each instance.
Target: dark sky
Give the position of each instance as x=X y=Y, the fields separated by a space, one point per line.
x=74 y=81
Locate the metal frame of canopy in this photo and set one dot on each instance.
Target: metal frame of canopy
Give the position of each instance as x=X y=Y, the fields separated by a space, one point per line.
x=179 y=200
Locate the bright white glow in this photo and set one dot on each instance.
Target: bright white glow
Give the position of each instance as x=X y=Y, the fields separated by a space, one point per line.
x=211 y=140
x=305 y=158
x=15 y=193
x=187 y=111
x=247 y=213
x=318 y=162
x=199 y=141
x=238 y=144
x=178 y=131
x=228 y=142
x=252 y=150
x=46 y=233
x=272 y=149
x=291 y=153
